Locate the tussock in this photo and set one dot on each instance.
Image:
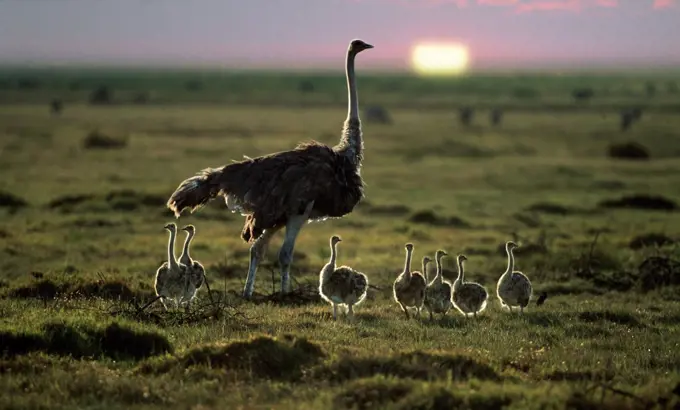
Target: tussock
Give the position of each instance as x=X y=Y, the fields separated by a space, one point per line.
x=261 y=357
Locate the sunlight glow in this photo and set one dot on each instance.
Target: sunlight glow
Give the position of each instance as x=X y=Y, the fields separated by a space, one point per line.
x=440 y=58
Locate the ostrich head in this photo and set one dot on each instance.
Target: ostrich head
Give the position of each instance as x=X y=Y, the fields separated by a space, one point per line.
x=510 y=245
x=335 y=239
x=462 y=258
x=440 y=254
x=190 y=229
x=171 y=227
x=426 y=259
x=357 y=46
x=409 y=247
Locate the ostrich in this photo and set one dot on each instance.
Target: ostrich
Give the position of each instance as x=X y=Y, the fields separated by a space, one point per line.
x=341 y=286
x=438 y=292
x=288 y=188
x=514 y=288
x=171 y=276
x=409 y=287
x=468 y=297
x=195 y=270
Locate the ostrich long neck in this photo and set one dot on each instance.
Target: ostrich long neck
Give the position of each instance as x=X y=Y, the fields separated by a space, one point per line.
x=461 y=275
x=172 y=262
x=334 y=254
x=407 y=265
x=439 y=278
x=511 y=261
x=425 y=262
x=185 y=250
x=351 y=142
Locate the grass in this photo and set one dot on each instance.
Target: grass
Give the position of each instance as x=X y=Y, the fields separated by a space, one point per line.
x=82 y=236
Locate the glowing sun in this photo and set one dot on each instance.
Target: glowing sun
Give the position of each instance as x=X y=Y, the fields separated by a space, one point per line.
x=440 y=58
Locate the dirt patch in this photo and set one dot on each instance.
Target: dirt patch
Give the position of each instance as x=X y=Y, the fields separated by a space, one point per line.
x=429 y=217
x=650 y=239
x=414 y=365
x=261 y=357
x=11 y=201
x=640 y=201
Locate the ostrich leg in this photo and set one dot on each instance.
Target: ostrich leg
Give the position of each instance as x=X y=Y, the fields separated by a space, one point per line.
x=257 y=253
x=293 y=227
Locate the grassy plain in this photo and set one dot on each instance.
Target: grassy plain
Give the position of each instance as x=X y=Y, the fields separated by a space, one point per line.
x=82 y=235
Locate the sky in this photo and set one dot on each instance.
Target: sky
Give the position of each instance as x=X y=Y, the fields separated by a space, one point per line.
x=315 y=33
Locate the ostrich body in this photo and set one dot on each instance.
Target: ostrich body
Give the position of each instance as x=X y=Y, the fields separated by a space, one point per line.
x=195 y=270
x=288 y=188
x=409 y=287
x=171 y=276
x=342 y=286
x=438 y=292
x=468 y=297
x=513 y=288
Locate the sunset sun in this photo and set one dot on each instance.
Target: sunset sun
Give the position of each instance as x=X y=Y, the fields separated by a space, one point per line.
x=440 y=58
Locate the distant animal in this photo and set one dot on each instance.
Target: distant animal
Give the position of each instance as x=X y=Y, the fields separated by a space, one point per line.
x=288 y=188
x=409 y=287
x=541 y=298
x=171 y=276
x=513 y=288
x=465 y=115
x=468 y=297
x=56 y=106
x=496 y=116
x=438 y=292
x=195 y=270
x=342 y=285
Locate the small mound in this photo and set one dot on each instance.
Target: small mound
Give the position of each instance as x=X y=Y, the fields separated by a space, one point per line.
x=113 y=290
x=657 y=272
x=628 y=150
x=414 y=365
x=640 y=201
x=386 y=210
x=83 y=340
x=42 y=289
x=260 y=357
x=130 y=200
x=429 y=217
x=11 y=201
x=367 y=394
x=620 y=318
x=447 y=398
x=549 y=208
x=122 y=343
x=650 y=239
x=98 y=140
x=67 y=202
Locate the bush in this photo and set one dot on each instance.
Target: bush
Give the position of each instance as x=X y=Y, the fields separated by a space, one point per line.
x=101 y=95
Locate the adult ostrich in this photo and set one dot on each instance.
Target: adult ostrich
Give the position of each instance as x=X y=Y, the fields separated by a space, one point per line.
x=288 y=188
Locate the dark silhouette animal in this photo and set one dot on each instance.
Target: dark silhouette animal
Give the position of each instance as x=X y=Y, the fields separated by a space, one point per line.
x=288 y=188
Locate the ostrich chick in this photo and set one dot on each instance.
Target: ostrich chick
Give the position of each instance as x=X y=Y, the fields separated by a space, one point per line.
x=468 y=297
x=438 y=292
x=514 y=288
x=195 y=270
x=342 y=286
x=170 y=281
x=409 y=287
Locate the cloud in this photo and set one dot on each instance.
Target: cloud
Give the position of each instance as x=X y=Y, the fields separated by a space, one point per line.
x=524 y=6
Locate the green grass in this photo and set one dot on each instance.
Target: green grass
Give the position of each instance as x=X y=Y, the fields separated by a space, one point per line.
x=82 y=235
